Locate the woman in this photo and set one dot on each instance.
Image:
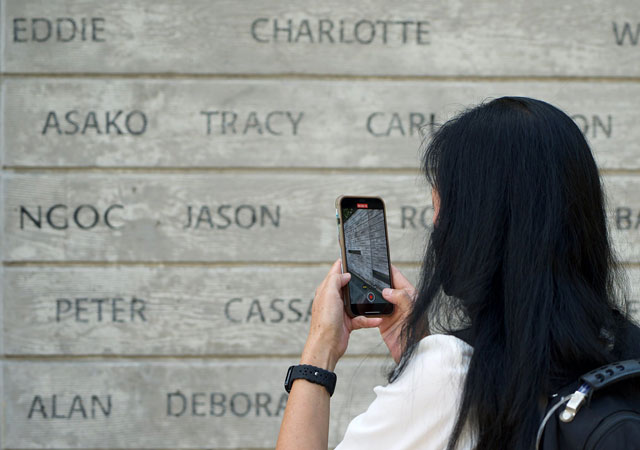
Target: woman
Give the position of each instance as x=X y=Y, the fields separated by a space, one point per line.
x=519 y=265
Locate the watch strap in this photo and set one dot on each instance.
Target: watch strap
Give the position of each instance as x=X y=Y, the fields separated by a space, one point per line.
x=313 y=374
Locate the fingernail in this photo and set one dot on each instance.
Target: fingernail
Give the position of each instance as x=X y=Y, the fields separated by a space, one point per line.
x=386 y=292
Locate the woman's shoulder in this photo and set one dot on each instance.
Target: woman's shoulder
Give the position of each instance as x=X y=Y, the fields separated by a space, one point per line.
x=439 y=360
x=444 y=343
x=443 y=351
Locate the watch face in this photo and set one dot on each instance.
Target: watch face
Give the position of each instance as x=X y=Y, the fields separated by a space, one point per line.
x=287 y=379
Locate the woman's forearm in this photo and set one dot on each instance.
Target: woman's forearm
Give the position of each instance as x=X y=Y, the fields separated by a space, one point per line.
x=305 y=425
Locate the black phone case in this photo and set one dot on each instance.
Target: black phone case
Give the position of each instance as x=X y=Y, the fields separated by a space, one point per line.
x=343 y=251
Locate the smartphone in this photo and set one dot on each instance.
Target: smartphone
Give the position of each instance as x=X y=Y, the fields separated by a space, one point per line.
x=362 y=231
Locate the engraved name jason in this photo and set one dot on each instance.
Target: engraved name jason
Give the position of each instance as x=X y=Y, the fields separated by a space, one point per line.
x=221 y=217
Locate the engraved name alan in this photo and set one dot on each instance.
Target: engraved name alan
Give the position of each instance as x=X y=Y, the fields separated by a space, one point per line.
x=225 y=216
x=59 y=406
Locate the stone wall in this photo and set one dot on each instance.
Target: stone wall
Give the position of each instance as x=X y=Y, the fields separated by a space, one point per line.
x=169 y=171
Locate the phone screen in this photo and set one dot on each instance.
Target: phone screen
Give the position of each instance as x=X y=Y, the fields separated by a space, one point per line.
x=366 y=254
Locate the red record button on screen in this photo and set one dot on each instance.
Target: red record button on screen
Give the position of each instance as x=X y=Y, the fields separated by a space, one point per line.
x=362 y=205
x=371 y=297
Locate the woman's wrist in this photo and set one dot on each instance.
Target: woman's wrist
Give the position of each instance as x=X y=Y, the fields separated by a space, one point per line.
x=319 y=355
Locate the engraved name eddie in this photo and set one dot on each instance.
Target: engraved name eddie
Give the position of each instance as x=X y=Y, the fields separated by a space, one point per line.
x=58 y=29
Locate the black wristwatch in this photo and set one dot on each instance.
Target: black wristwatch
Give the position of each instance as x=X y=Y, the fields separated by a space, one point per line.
x=311 y=373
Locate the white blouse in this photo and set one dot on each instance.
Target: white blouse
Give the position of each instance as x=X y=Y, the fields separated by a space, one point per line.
x=418 y=410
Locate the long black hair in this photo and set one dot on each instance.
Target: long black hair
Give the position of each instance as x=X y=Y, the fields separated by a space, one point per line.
x=520 y=254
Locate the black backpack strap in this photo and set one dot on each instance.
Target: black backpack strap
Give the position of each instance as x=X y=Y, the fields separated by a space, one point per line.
x=597 y=379
x=590 y=382
x=611 y=373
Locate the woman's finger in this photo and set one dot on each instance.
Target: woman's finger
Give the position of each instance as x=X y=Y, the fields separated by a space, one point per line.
x=336 y=277
x=336 y=267
x=396 y=296
x=399 y=280
x=365 y=322
x=340 y=280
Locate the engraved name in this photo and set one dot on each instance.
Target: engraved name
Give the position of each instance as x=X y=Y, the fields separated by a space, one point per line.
x=341 y=31
x=219 y=404
x=60 y=29
x=627 y=218
x=413 y=218
x=278 y=310
x=91 y=310
x=225 y=216
x=70 y=407
x=626 y=33
x=385 y=124
x=594 y=126
x=115 y=123
x=61 y=217
x=273 y=123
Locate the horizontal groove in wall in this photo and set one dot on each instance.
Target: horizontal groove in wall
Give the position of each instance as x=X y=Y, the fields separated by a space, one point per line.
x=248 y=264
x=302 y=76
x=200 y=169
x=248 y=170
x=181 y=264
x=111 y=359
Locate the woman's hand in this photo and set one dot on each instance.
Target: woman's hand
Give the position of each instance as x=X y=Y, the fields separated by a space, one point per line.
x=402 y=297
x=330 y=325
